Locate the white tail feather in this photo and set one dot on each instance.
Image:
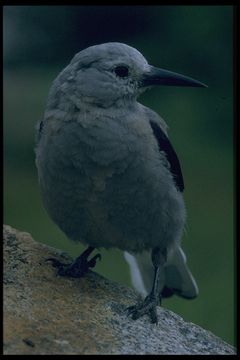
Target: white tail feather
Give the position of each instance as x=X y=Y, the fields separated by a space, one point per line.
x=175 y=275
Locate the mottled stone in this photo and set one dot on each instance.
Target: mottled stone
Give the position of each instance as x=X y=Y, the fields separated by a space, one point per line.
x=47 y=314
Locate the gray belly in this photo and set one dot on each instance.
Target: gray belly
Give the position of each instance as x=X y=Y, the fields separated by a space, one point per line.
x=133 y=207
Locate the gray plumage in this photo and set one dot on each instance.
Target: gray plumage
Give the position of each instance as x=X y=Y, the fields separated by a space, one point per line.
x=103 y=177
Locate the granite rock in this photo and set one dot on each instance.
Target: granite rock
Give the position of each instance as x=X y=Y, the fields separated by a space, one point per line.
x=46 y=314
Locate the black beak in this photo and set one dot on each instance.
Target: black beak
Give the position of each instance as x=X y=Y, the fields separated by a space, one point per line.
x=158 y=76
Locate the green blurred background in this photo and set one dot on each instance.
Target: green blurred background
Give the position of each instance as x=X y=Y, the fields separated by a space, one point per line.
x=193 y=40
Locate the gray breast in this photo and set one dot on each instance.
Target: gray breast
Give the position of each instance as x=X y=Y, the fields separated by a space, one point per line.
x=109 y=188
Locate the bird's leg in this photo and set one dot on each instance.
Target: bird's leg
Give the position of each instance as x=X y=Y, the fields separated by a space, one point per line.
x=149 y=305
x=80 y=265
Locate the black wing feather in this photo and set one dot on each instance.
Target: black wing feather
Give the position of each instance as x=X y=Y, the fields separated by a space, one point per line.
x=165 y=145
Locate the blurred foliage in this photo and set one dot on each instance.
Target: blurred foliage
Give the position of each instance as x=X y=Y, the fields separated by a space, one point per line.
x=194 y=40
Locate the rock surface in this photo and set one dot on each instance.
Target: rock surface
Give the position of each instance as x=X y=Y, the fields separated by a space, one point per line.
x=47 y=314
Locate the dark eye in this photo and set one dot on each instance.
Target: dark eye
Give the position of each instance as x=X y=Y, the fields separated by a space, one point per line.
x=121 y=71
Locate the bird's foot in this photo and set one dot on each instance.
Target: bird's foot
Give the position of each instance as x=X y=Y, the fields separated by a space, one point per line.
x=79 y=267
x=148 y=306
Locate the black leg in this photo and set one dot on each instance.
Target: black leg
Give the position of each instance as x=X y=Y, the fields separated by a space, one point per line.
x=79 y=267
x=149 y=305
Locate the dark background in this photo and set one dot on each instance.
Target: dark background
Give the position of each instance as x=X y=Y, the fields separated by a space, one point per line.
x=193 y=40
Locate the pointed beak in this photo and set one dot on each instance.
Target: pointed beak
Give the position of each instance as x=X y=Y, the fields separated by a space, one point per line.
x=157 y=76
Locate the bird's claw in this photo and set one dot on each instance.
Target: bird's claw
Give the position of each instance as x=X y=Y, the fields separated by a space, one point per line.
x=76 y=269
x=92 y=262
x=148 y=306
x=62 y=269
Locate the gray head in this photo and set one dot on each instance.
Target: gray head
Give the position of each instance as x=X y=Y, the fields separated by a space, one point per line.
x=113 y=74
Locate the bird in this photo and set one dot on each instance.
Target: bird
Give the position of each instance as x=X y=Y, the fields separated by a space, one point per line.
x=109 y=176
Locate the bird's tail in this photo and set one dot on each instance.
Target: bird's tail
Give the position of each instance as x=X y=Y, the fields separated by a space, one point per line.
x=175 y=278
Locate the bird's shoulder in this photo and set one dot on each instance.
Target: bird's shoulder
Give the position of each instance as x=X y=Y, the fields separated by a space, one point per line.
x=151 y=115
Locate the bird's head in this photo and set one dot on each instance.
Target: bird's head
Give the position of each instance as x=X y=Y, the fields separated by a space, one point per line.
x=114 y=74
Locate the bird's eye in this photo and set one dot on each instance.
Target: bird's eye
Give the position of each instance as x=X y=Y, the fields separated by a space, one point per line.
x=121 y=71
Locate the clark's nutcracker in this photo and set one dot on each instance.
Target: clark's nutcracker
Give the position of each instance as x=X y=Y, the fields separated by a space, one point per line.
x=108 y=174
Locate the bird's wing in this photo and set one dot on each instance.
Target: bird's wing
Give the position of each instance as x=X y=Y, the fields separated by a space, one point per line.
x=165 y=145
x=175 y=278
